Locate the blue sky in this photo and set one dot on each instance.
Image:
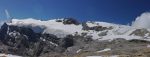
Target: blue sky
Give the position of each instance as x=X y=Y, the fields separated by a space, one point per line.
x=114 y=11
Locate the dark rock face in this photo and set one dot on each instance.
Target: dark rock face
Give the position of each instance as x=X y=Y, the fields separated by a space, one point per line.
x=25 y=42
x=67 y=41
x=138 y=41
x=70 y=21
x=96 y=28
x=59 y=20
x=85 y=26
x=140 y=32
x=3 y=31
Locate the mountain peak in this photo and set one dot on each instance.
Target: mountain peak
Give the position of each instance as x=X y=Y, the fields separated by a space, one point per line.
x=66 y=35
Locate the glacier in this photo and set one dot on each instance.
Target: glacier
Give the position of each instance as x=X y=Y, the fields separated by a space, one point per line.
x=61 y=30
x=52 y=30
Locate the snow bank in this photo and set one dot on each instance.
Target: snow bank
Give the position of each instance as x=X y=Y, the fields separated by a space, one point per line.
x=107 y=49
x=142 y=21
x=112 y=37
x=8 y=55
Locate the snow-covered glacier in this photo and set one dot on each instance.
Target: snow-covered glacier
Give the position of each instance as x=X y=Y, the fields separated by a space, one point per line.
x=66 y=36
x=111 y=30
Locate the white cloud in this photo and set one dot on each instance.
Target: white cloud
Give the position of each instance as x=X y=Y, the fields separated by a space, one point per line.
x=142 y=21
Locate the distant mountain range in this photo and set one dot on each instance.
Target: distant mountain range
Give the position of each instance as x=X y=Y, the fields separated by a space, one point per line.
x=68 y=37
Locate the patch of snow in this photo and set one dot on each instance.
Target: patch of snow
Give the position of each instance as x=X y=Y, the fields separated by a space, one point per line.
x=78 y=50
x=14 y=33
x=122 y=29
x=93 y=34
x=8 y=30
x=107 y=49
x=53 y=43
x=146 y=35
x=111 y=37
x=105 y=24
x=91 y=24
x=8 y=55
x=43 y=40
x=130 y=31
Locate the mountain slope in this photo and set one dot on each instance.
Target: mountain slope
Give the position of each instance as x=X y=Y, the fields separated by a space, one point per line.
x=68 y=37
x=97 y=30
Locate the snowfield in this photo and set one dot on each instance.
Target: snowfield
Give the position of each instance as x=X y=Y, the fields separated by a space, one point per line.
x=50 y=26
x=61 y=30
x=83 y=32
x=107 y=49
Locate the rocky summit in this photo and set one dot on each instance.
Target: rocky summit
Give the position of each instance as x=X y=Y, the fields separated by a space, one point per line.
x=67 y=37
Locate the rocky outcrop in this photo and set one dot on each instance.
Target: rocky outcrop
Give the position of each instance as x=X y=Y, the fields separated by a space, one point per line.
x=95 y=28
x=70 y=21
x=141 y=32
x=24 y=41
